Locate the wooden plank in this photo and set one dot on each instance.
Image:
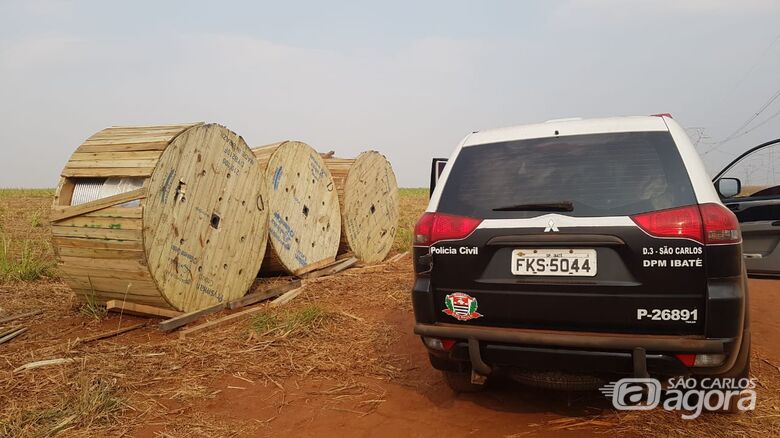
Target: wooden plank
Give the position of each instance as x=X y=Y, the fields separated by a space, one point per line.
x=97 y=253
x=334 y=269
x=96 y=233
x=8 y=336
x=110 y=334
x=186 y=318
x=106 y=172
x=119 y=306
x=75 y=242
x=45 y=363
x=98 y=146
x=265 y=294
x=116 y=164
x=12 y=335
x=20 y=316
x=99 y=204
x=314 y=266
x=284 y=299
x=110 y=212
x=218 y=322
x=107 y=155
x=111 y=223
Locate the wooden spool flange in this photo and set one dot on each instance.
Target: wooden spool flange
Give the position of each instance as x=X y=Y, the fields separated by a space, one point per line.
x=195 y=239
x=368 y=197
x=304 y=220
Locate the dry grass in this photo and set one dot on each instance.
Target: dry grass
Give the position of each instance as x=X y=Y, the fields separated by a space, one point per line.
x=148 y=381
x=25 y=249
x=412 y=205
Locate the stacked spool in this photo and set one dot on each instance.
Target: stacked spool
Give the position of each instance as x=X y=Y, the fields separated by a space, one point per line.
x=368 y=198
x=170 y=216
x=304 y=220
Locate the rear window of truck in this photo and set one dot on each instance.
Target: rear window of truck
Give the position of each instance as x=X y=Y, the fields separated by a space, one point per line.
x=616 y=174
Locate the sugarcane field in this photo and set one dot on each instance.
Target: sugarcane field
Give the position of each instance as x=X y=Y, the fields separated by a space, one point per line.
x=406 y=219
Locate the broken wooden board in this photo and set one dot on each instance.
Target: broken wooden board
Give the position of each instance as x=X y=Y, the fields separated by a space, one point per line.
x=335 y=268
x=264 y=294
x=186 y=318
x=218 y=322
x=20 y=316
x=12 y=335
x=45 y=363
x=139 y=309
x=110 y=334
x=286 y=298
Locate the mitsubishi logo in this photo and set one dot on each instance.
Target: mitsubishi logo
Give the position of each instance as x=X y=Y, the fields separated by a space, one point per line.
x=551 y=227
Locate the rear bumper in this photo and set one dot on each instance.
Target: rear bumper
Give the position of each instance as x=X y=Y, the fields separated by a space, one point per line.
x=487 y=349
x=669 y=344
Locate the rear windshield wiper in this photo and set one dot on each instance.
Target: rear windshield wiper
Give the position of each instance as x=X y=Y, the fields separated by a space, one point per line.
x=546 y=206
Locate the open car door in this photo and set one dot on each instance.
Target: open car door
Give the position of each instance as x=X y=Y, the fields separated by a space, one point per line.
x=750 y=187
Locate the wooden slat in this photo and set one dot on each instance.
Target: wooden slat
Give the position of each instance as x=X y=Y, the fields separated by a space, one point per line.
x=123 y=147
x=110 y=334
x=74 y=271
x=104 y=173
x=117 y=163
x=111 y=223
x=116 y=265
x=107 y=155
x=121 y=286
x=218 y=322
x=120 y=306
x=75 y=242
x=102 y=296
x=99 y=204
x=115 y=212
x=20 y=316
x=186 y=318
x=97 y=253
x=96 y=233
x=314 y=266
x=333 y=269
x=264 y=294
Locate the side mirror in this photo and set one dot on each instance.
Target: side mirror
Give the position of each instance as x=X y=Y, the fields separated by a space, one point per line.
x=728 y=187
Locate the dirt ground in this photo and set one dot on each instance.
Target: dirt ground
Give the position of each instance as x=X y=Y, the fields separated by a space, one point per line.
x=340 y=359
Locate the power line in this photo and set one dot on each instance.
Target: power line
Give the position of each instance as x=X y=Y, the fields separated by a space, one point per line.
x=743 y=126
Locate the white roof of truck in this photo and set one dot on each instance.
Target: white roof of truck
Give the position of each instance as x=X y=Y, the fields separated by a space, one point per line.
x=568 y=127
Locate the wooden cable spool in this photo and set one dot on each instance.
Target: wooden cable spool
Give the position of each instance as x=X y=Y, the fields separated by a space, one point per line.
x=304 y=220
x=190 y=232
x=368 y=197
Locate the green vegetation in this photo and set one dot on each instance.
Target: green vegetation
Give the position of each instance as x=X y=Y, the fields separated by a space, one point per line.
x=29 y=264
x=288 y=322
x=91 y=308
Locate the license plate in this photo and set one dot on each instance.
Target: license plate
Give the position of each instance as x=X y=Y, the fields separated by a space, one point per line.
x=559 y=262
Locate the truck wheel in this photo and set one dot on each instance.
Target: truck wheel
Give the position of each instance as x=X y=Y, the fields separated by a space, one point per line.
x=461 y=382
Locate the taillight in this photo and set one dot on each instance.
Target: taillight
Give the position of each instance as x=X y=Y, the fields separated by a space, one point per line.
x=705 y=223
x=720 y=224
x=433 y=227
x=683 y=222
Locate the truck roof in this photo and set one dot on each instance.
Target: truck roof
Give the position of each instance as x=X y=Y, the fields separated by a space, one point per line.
x=563 y=127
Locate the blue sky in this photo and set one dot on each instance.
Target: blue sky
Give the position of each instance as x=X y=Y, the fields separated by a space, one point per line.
x=407 y=78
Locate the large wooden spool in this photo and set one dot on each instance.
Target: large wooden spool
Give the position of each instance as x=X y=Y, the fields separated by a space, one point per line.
x=368 y=198
x=304 y=220
x=189 y=233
